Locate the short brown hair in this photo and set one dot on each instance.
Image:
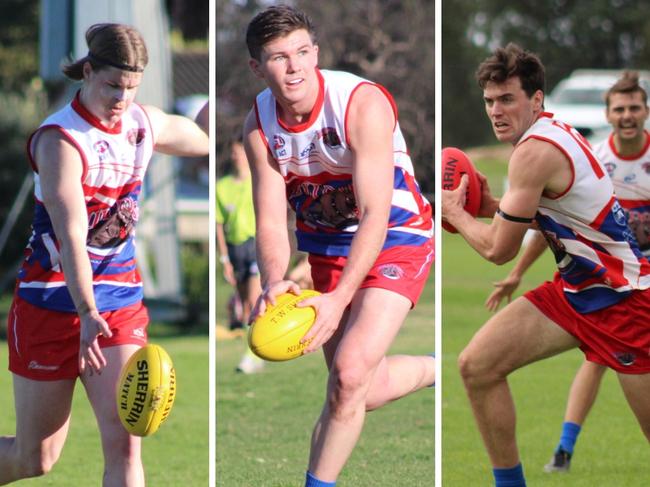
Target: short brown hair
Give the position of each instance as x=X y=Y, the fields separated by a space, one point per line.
x=628 y=83
x=117 y=45
x=276 y=21
x=510 y=61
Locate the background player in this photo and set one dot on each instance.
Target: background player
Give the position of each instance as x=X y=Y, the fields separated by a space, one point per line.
x=555 y=180
x=626 y=157
x=359 y=214
x=236 y=241
x=77 y=310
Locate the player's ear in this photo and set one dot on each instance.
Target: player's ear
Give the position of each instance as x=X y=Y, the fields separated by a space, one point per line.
x=254 y=64
x=538 y=100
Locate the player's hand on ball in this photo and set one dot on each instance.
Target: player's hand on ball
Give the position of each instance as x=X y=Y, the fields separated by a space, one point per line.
x=453 y=201
x=329 y=310
x=504 y=289
x=90 y=354
x=269 y=293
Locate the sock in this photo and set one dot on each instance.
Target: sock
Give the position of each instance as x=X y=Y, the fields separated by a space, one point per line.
x=569 y=437
x=312 y=481
x=509 y=477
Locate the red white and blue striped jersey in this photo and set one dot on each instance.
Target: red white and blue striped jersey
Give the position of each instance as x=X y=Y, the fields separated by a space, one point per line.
x=596 y=253
x=114 y=162
x=631 y=178
x=316 y=162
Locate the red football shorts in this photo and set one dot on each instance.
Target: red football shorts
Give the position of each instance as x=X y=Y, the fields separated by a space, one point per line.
x=403 y=270
x=44 y=344
x=617 y=336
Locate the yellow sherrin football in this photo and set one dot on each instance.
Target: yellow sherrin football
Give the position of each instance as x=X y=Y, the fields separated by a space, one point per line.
x=146 y=390
x=276 y=334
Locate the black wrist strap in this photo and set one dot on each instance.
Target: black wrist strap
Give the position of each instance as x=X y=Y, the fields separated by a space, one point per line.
x=510 y=218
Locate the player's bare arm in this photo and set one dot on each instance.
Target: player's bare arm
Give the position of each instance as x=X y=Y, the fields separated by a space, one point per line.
x=535 y=167
x=60 y=169
x=371 y=122
x=176 y=135
x=272 y=239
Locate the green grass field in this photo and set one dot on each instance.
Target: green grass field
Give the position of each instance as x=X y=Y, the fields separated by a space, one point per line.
x=611 y=450
x=176 y=455
x=264 y=421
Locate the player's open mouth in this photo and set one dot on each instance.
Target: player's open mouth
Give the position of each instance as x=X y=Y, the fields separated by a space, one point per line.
x=295 y=82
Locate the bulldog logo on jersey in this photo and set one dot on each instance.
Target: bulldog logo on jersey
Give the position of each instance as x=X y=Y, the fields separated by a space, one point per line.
x=336 y=208
x=330 y=137
x=136 y=136
x=118 y=225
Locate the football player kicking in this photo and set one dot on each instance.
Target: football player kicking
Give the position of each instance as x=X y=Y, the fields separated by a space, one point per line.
x=599 y=300
x=626 y=157
x=331 y=143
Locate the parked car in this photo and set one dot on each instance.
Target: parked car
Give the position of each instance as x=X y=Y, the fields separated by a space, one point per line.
x=579 y=100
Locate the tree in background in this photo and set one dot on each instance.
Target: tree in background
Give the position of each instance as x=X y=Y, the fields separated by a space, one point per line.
x=23 y=105
x=567 y=34
x=390 y=42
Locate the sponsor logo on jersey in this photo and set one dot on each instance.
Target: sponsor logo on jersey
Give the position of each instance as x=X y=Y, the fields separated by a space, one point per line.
x=136 y=136
x=391 y=271
x=307 y=150
x=34 y=365
x=619 y=214
x=330 y=137
x=630 y=178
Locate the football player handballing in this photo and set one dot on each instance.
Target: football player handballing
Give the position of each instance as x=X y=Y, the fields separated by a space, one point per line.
x=599 y=300
x=331 y=143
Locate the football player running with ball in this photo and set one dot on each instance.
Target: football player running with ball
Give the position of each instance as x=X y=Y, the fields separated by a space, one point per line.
x=329 y=143
x=77 y=310
x=626 y=156
x=599 y=300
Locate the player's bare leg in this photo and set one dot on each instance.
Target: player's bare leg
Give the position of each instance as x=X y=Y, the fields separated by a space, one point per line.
x=637 y=392
x=584 y=391
x=42 y=420
x=517 y=335
x=122 y=462
x=373 y=321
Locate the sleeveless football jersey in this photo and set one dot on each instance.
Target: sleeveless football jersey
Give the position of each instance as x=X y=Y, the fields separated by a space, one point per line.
x=316 y=161
x=631 y=178
x=114 y=162
x=597 y=255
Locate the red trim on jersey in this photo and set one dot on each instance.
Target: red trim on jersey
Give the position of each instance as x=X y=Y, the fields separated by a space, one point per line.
x=598 y=221
x=313 y=115
x=69 y=138
x=347 y=108
x=566 y=154
x=633 y=157
x=260 y=130
x=84 y=113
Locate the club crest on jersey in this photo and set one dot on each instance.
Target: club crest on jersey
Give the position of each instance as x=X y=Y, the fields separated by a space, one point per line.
x=278 y=142
x=646 y=167
x=136 y=136
x=101 y=148
x=391 y=271
x=611 y=167
x=330 y=137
